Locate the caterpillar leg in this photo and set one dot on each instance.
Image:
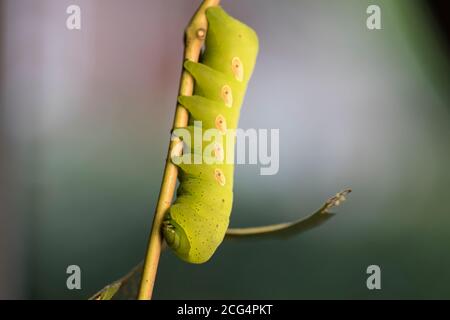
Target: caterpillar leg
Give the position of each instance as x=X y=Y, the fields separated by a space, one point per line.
x=220 y=174
x=204 y=74
x=215 y=85
x=212 y=114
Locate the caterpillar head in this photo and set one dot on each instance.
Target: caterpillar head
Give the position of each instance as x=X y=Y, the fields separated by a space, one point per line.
x=193 y=237
x=175 y=237
x=232 y=46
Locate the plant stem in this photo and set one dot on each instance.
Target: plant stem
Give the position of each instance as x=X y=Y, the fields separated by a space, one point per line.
x=194 y=37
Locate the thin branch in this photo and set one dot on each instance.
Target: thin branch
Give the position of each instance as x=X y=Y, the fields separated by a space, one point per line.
x=194 y=39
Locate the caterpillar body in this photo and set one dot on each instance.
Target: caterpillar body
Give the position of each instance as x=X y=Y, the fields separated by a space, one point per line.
x=195 y=225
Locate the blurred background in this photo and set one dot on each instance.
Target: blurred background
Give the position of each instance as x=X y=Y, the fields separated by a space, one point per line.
x=85 y=118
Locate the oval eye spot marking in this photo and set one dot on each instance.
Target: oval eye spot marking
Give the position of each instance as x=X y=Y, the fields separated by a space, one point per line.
x=237 y=68
x=219 y=176
x=227 y=96
x=221 y=124
x=218 y=152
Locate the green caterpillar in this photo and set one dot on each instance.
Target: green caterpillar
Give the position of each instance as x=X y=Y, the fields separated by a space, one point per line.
x=195 y=224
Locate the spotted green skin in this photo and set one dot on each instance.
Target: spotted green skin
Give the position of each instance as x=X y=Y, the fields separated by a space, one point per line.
x=196 y=223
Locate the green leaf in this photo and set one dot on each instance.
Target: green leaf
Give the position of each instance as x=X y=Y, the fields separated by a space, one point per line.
x=125 y=288
x=288 y=229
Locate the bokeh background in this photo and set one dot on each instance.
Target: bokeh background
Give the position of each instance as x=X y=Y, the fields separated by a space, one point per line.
x=84 y=127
